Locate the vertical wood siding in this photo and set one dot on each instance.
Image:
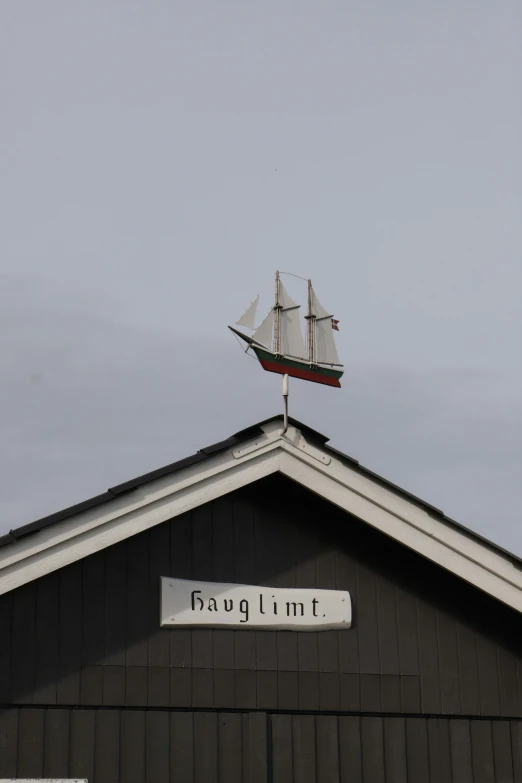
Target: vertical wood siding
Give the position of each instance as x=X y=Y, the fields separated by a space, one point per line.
x=135 y=746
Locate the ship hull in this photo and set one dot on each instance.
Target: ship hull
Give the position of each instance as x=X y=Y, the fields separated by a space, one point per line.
x=296 y=369
x=283 y=365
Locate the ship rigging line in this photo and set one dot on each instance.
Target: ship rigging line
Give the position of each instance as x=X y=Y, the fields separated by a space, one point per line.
x=244 y=350
x=292 y=275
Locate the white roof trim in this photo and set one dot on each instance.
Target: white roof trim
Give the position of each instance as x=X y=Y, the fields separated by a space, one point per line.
x=316 y=469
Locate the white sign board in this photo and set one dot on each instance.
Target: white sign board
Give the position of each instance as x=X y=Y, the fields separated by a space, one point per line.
x=211 y=604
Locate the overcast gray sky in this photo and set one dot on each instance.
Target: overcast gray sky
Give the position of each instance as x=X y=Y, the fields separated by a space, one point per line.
x=160 y=159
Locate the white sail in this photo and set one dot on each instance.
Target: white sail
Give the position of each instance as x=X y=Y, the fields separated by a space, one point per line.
x=317 y=308
x=248 y=318
x=263 y=333
x=291 y=336
x=325 y=350
x=285 y=300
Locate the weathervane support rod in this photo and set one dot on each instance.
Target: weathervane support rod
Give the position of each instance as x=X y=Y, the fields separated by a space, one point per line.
x=285 y=400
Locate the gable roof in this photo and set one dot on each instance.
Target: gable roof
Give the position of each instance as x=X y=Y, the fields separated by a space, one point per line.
x=303 y=455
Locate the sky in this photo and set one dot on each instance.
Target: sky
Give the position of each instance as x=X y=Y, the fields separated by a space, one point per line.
x=160 y=160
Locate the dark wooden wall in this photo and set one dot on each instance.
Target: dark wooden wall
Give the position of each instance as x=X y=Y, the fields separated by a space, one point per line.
x=149 y=746
x=423 y=642
x=427 y=685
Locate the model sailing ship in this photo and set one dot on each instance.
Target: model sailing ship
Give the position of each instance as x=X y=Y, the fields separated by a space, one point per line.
x=278 y=340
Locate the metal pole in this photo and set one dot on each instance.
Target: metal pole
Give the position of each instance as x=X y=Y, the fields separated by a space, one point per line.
x=285 y=400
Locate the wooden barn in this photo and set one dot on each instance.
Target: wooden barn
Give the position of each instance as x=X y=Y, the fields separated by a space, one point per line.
x=350 y=632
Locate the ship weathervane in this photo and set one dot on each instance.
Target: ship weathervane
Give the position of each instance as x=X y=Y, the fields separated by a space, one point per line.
x=278 y=342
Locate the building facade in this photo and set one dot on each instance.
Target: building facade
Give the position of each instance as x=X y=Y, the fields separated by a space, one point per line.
x=425 y=685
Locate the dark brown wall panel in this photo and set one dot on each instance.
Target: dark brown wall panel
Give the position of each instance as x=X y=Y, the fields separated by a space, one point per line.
x=23 y=643
x=407 y=631
x=366 y=619
x=107 y=746
x=387 y=628
x=516 y=744
x=439 y=751
x=133 y=743
x=417 y=749
x=206 y=759
x=482 y=751
x=56 y=743
x=47 y=638
x=115 y=605
x=460 y=751
x=372 y=749
x=327 y=749
x=447 y=644
x=70 y=635
x=303 y=748
x=82 y=740
x=8 y=742
x=137 y=585
x=422 y=640
x=157 y=757
x=6 y=614
x=256 y=744
x=229 y=748
x=181 y=746
x=350 y=754
x=159 y=563
x=281 y=747
x=93 y=610
x=30 y=743
x=395 y=754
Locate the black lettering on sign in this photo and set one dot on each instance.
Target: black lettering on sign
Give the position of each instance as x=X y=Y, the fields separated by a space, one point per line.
x=243 y=608
x=294 y=605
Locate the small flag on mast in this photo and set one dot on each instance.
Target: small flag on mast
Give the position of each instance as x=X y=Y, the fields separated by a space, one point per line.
x=334 y=324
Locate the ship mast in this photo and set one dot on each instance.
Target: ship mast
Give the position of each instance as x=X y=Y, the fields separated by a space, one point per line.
x=277 y=319
x=311 y=326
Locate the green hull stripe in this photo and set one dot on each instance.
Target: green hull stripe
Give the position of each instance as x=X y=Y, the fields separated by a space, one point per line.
x=270 y=357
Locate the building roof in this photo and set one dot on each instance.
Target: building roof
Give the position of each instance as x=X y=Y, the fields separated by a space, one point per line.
x=202 y=454
x=56 y=532
x=127 y=486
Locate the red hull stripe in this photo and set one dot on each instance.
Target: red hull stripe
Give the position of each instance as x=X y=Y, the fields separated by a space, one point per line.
x=294 y=372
